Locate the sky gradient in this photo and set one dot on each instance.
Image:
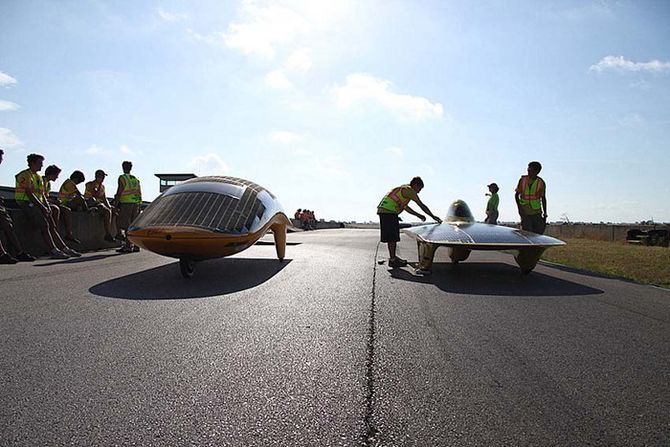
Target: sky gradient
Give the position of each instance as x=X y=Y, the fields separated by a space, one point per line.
x=330 y=104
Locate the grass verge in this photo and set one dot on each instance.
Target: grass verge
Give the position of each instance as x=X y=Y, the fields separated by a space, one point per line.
x=646 y=265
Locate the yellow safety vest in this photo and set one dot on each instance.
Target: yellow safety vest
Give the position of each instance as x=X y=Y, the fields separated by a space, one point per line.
x=394 y=200
x=91 y=190
x=131 y=192
x=531 y=194
x=21 y=190
x=68 y=191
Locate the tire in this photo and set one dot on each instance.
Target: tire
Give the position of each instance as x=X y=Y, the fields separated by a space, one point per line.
x=187 y=267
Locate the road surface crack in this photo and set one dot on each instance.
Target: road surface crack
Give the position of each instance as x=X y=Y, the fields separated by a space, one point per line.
x=370 y=436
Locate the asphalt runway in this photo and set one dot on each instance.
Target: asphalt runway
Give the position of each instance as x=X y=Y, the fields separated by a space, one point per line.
x=328 y=348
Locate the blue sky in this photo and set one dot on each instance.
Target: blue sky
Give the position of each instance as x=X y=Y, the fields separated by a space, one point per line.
x=330 y=104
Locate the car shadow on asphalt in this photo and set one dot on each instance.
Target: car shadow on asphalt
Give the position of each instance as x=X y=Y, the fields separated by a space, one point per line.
x=496 y=279
x=212 y=278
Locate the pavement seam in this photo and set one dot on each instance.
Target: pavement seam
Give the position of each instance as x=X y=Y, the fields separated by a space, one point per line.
x=371 y=432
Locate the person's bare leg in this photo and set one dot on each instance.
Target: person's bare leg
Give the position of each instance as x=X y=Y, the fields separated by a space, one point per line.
x=55 y=214
x=53 y=231
x=67 y=219
x=391 y=246
x=107 y=218
x=45 y=229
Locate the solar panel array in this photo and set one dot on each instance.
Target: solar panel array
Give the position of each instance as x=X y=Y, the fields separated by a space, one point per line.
x=207 y=210
x=480 y=234
x=230 y=180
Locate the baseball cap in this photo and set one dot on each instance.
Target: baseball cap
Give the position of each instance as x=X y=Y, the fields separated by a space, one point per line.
x=100 y=173
x=492 y=184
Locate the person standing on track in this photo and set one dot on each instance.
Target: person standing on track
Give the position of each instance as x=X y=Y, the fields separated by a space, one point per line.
x=531 y=200
x=128 y=198
x=395 y=202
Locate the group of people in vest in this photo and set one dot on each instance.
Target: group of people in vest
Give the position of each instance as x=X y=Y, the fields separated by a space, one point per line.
x=307 y=218
x=32 y=196
x=529 y=196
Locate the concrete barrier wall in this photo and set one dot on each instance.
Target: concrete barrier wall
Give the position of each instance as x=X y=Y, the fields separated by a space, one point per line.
x=320 y=225
x=88 y=227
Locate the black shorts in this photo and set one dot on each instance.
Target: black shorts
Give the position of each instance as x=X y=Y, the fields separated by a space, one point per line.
x=534 y=223
x=389 y=225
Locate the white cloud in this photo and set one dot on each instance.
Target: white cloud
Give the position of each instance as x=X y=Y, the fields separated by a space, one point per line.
x=618 y=63
x=363 y=87
x=394 y=150
x=170 y=16
x=266 y=28
x=277 y=79
x=95 y=150
x=268 y=25
x=125 y=150
x=299 y=60
x=8 y=138
x=7 y=105
x=209 y=164
x=285 y=137
x=6 y=79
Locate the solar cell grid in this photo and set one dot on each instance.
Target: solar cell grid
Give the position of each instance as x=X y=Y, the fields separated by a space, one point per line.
x=209 y=209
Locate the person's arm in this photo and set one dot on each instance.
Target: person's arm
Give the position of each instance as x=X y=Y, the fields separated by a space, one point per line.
x=119 y=190
x=426 y=209
x=419 y=215
x=544 y=200
x=36 y=197
x=517 y=198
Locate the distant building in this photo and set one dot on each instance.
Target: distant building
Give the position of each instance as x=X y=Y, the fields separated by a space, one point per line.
x=169 y=180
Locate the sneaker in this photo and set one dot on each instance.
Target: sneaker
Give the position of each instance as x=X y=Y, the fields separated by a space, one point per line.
x=109 y=238
x=423 y=272
x=57 y=254
x=25 y=257
x=136 y=249
x=70 y=252
x=397 y=262
x=124 y=249
x=72 y=239
x=6 y=258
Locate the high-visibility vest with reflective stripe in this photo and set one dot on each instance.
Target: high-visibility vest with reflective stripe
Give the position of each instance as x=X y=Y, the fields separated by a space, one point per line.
x=68 y=191
x=394 y=200
x=21 y=192
x=131 y=192
x=94 y=192
x=531 y=193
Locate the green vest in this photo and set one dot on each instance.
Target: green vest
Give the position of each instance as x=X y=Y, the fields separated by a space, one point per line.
x=395 y=201
x=20 y=191
x=131 y=189
x=531 y=198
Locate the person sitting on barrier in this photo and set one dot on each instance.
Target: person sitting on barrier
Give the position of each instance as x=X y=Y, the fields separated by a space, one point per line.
x=51 y=174
x=29 y=194
x=128 y=198
x=69 y=200
x=96 y=199
x=7 y=226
